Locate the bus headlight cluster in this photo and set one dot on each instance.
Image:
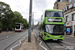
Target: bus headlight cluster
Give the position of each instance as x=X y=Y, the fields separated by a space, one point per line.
x=46 y=35
x=61 y=36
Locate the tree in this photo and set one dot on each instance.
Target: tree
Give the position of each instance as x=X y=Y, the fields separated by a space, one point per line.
x=0 y=25
x=25 y=23
x=8 y=18
x=4 y=9
x=18 y=18
x=6 y=15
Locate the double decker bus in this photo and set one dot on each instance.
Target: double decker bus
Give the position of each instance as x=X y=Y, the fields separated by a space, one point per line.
x=18 y=27
x=52 y=25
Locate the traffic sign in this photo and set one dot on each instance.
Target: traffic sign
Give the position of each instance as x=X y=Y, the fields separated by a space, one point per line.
x=30 y=15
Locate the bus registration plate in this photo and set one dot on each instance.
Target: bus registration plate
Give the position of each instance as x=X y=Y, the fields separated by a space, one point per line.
x=54 y=39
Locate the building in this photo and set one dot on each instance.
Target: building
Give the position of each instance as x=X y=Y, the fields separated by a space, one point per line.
x=60 y=4
x=68 y=7
x=69 y=16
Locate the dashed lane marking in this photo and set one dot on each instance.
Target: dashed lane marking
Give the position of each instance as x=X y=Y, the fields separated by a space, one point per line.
x=7 y=36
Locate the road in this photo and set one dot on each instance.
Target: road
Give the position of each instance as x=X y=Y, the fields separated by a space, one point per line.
x=10 y=39
x=13 y=39
x=67 y=44
x=5 y=36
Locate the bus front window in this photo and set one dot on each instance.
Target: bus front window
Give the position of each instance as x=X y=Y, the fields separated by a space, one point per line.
x=17 y=26
x=54 y=29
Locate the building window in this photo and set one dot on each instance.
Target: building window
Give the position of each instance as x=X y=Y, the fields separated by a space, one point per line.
x=66 y=18
x=64 y=0
x=74 y=28
x=73 y=0
x=70 y=1
x=69 y=30
x=57 y=6
x=73 y=17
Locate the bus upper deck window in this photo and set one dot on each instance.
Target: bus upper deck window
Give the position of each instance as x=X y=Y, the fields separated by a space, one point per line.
x=56 y=15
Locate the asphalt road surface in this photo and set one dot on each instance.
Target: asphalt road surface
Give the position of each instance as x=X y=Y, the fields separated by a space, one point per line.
x=5 y=36
x=10 y=39
x=67 y=44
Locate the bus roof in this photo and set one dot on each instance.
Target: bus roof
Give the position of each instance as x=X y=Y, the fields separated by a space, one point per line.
x=52 y=10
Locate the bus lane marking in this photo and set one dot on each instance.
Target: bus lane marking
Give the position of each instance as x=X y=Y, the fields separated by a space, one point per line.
x=40 y=43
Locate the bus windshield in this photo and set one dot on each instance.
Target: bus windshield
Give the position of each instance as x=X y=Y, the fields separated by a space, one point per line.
x=53 y=14
x=17 y=26
x=54 y=29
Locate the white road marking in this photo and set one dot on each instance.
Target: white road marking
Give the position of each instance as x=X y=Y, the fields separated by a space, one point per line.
x=68 y=43
x=7 y=36
x=40 y=43
x=18 y=44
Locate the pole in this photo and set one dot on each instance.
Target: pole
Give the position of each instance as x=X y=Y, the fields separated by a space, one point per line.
x=33 y=21
x=30 y=15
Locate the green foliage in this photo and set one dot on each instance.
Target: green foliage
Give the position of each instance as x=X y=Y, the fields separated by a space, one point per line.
x=18 y=18
x=8 y=18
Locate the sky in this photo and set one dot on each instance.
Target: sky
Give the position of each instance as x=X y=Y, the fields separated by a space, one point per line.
x=38 y=7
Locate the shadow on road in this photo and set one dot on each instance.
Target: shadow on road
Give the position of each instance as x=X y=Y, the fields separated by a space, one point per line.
x=52 y=41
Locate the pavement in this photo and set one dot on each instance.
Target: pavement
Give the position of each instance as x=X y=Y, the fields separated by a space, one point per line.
x=29 y=45
x=72 y=35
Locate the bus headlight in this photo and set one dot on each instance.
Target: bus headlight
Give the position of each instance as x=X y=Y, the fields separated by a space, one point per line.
x=46 y=35
x=61 y=36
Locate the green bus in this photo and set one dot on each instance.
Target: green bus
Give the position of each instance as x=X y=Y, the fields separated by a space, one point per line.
x=52 y=25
